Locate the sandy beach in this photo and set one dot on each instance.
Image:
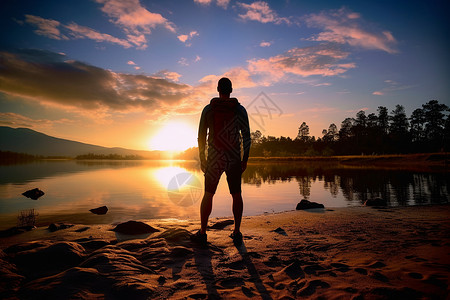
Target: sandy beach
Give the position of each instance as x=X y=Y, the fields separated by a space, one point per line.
x=339 y=253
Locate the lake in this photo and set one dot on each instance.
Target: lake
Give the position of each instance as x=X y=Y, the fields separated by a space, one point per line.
x=173 y=189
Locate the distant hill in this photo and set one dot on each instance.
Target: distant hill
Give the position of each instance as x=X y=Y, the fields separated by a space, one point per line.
x=24 y=140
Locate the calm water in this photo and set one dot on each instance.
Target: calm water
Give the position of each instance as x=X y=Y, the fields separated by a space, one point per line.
x=170 y=189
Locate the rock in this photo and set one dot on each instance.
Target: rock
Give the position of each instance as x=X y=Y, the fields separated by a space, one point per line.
x=375 y=202
x=134 y=227
x=58 y=226
x=15 y=230
x=33 y=194
x=102 y=210
x=9 y=279
x=280 y=231
x=47 y=258
x=305 y=204
x=222 y=224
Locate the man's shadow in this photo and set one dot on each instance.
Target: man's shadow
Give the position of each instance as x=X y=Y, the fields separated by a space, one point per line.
x=203 y=257
x=253 y=272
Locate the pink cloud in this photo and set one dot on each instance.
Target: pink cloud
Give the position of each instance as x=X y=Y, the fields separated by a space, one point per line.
x=81 y=32
x=319 y=60
x=221 y=3
x=184 y=37
x=53 y=29
x=265 y=44
x=261 y=12
x=346 y=27
x=134 y=19
x=46 y=27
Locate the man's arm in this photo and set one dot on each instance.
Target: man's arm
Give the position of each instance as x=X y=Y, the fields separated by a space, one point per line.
x=201 y=139
x=245 y=131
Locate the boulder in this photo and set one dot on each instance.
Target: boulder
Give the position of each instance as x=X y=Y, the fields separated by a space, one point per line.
x=47 y=258
x=33 y=194
x=375 y=202
x=305 y=204
x=102 y=210
x=134 y=227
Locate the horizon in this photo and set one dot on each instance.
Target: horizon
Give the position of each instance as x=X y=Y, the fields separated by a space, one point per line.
x=137 y=76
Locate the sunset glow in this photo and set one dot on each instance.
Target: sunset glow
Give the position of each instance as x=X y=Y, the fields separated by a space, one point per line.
x=117 y=73
x=175 y=136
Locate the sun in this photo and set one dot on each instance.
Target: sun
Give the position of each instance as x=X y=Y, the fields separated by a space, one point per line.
x=174 y=136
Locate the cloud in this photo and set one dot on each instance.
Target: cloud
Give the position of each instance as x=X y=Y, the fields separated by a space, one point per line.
x=134 y=19
x=265 y=44
x=54 y=30
x=46 y=27
x=173 y=76
x=346 y=27
x=221 y=3
x=81 y=32
x=240 y=77
x=186 y=62
x=203 y=2
x=323 y=60
x=183 y=61
x=49 y=78
x=130 y=62
x=321 y=84
x=392 y=86
x=16 y=120
x=261 y=12
x=185 y=37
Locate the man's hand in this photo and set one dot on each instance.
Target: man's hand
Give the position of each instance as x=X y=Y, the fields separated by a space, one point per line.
x=203 y=165
x=243 y=166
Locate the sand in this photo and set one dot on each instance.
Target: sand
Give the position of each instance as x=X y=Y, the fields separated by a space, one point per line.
x=342 y=253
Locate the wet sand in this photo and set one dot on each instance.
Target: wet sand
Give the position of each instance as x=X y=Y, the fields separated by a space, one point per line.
x=342 y=253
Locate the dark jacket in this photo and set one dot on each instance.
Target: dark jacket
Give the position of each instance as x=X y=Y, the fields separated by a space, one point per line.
x=224 y=124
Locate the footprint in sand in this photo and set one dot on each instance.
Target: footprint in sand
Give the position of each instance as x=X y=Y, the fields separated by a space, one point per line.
x=312 y=286
x=379 y=276
x=377 y=265
x=415 y=275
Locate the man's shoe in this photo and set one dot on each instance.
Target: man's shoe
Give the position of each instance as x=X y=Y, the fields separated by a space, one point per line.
x=200 y=238
x=237 y=238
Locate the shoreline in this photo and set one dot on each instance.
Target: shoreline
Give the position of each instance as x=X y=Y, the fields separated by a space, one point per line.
x=374 y=253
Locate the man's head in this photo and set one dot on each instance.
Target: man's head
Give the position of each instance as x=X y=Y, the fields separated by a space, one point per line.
x=224 y=86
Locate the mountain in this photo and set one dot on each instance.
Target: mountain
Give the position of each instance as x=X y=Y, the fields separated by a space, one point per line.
x=24 y=140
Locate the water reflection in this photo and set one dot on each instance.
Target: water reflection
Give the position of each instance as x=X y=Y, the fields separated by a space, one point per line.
x=143 y=189
x=398 y=187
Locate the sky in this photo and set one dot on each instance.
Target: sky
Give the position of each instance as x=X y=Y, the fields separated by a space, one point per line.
x=137 y=73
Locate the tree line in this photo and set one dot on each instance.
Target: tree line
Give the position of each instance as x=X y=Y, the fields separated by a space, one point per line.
x=427 y=129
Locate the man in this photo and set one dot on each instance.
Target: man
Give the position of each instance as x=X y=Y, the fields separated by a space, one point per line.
x=223 y=126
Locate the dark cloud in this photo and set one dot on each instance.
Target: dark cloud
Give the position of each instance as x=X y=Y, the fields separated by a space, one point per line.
x=52 y=78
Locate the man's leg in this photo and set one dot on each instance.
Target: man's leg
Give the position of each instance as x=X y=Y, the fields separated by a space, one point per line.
x=238 y=207
x=205 y=210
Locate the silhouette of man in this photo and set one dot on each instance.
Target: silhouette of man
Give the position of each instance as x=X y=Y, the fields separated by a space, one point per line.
x=223 y=129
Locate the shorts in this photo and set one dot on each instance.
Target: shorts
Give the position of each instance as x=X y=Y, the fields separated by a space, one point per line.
x=214 y=171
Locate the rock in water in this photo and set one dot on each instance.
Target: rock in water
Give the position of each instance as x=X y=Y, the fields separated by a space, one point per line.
x=134 y=227
x=102 y=210
x=375 y=202
x=33 y=194
x=305 y=204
